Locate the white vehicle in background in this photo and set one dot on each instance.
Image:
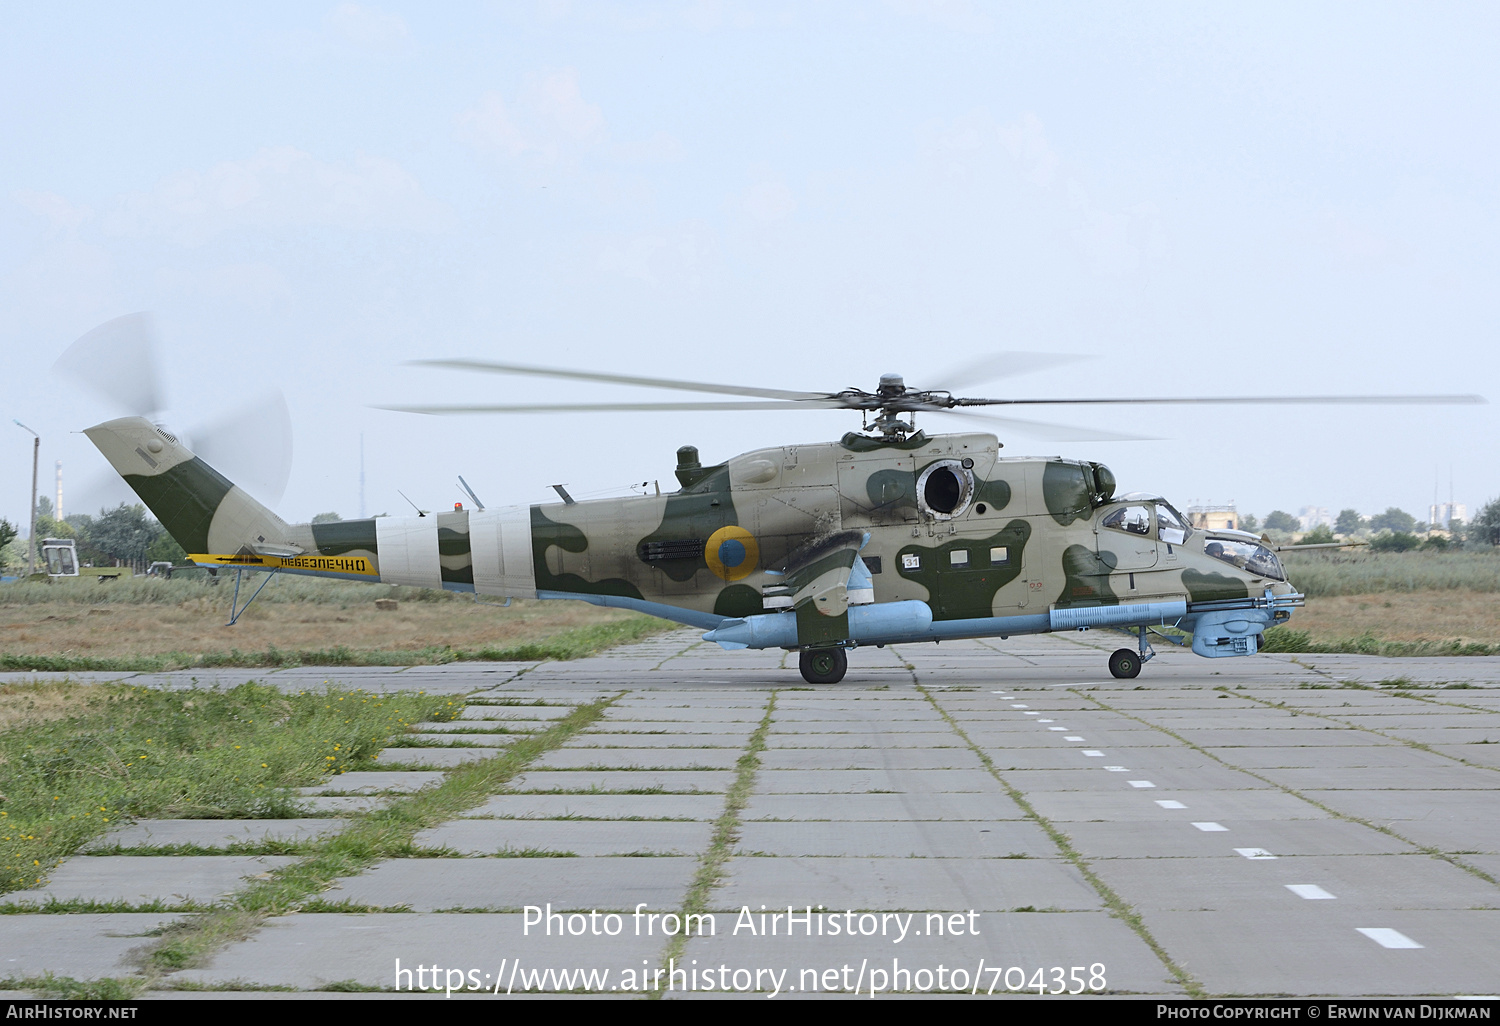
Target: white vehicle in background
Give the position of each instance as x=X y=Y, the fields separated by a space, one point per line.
x=60 y=557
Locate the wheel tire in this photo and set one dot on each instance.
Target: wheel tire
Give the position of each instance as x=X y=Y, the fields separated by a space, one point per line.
x=1125 y=664
x=823 y=665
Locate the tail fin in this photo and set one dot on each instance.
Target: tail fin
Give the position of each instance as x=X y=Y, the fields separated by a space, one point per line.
x=200 y=508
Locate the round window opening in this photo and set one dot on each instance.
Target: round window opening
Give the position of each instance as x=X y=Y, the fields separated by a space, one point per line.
x=945 y=489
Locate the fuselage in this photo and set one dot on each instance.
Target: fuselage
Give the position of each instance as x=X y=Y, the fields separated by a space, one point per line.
x=989 y=545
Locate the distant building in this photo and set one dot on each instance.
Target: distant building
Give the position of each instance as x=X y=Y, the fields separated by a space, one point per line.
x=1444 y=513
x=1214 y=518
x=1315 y=516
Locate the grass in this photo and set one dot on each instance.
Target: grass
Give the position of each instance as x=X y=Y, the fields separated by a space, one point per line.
x=285 y=589
x=1319 y=575
x=145 y=624
x=369 y=839
x=568 y=643
x=126 y=752
x=1288 y=639
x=69 y=989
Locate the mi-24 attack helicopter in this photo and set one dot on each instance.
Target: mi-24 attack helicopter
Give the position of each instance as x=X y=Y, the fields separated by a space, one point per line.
x=887 y=536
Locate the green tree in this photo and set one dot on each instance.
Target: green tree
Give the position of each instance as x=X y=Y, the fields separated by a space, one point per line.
x=1393 y=519
x=124 y=533
x=1458 y=531
x=1319 y=535
x=8 y=532
x=48 y=526
x=1349 y=521
x=1280 y=521
x=1248 y=522
x=1394 y=541
x=82 y=526
x=1484 y=529
x=327 y=518
x=165 y=548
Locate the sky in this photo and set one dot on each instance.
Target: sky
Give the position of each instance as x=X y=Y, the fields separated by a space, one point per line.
x=1194 y=199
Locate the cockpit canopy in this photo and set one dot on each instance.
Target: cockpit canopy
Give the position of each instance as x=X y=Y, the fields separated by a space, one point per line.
x=1244 y=552
x=1151 y=516
x=1136 y=518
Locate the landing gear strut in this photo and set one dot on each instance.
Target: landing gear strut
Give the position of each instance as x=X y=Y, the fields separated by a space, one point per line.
x=823 y=665
x=1126 y=664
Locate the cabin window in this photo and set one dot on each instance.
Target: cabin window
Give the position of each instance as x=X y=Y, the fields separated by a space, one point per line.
x=1169 y=526
x=999 y=555
x=959 y=559
x=872 y=564
x=1131 y=519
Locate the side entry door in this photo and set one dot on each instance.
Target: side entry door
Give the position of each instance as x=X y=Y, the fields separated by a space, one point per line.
x=1126 y=537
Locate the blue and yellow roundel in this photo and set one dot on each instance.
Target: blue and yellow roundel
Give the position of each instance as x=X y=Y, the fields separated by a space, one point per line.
x=732 y=553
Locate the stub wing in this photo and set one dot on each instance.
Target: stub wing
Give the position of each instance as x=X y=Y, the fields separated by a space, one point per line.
x=822 y=576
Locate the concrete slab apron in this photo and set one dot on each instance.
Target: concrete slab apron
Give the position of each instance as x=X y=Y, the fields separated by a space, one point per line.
x=1229 y=919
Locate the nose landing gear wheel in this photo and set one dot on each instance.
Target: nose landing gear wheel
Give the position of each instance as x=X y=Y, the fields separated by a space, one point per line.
x=1125 y=664
x=823 y=665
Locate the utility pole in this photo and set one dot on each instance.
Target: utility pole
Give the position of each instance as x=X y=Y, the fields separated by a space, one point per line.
x=36 y=451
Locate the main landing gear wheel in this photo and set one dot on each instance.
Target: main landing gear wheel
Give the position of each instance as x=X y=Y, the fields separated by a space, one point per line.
x=1125 y=664
x=823 y=665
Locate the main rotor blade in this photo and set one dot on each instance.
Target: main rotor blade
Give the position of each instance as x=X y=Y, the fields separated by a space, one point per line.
x=998 y=365
x=117 y=360
x=491 y=367
x=1051 y=432
x=1285 y=400
x=819 y=403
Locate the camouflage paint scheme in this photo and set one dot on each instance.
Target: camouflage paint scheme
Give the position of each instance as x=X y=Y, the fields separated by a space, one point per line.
x=991 y=545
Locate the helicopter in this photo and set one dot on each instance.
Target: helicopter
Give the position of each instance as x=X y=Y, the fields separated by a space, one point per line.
x=889 y=535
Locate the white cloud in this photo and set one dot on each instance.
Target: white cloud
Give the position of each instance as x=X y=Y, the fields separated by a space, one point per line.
x=549 y=122
x=65 y=277
x=769 y=199
x=675 y=256
x=366 y=28
x=57 y=211
x=281 y=187
x=1025 y=140
x=958 y=15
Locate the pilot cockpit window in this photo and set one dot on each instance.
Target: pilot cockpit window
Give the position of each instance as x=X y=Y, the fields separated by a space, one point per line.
x=1134 y=519
x=1248 y=556
x=1169 y=526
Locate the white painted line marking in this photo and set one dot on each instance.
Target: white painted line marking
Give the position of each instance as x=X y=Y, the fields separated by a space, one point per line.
x=1388 y=938
x=1255 y=853
x=1093 y=754
x=1070 y=737
x=1168 y=803
x=1047 y=721
x=1116 y=769
x=1312 y=892
x=1031 y=714
x=1002 y=694
x=1085 y=684
x=1020 y=705
x=1056 y=728
x=1140 y=783
x=1210 y=828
